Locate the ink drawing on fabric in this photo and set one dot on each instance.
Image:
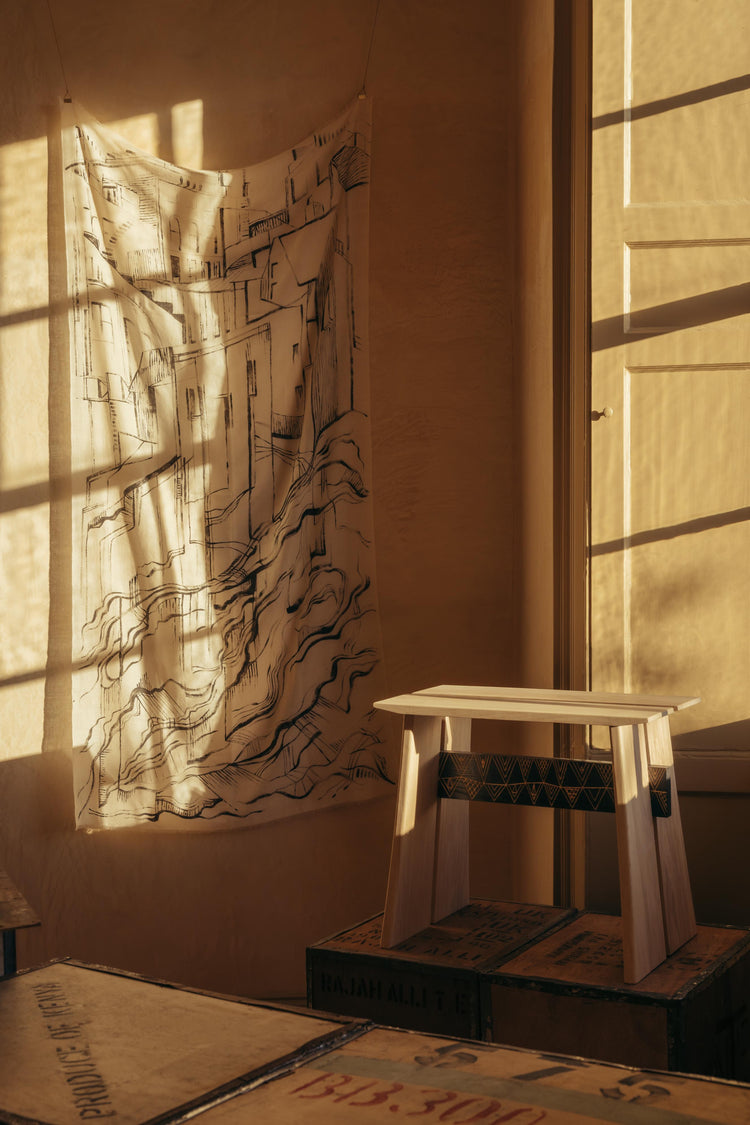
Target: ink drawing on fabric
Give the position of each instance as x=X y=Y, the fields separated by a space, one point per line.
x=225 y=631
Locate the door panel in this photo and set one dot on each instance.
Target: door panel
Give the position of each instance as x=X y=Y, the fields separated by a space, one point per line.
x=670 y=441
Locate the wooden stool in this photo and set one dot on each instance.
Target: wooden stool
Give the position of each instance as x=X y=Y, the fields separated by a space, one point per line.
x=429 y=870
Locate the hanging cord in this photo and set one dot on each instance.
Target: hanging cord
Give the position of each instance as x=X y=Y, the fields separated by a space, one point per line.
x=67 y=97
x=363 y=88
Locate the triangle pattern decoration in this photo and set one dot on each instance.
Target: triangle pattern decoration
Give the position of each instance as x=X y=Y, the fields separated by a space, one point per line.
x=472 y=787
x=551 y=793
x=602 y=800
x=496 y=792
x=504 y=766
x=544 y=765
x=560 y=770
x=660 y=784
x=225 y=623
x=524 y=765
x=502 y=779
x=581 y=770
x=484 y=763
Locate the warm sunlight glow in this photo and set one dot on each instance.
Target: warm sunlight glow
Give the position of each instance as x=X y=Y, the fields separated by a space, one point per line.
x=24 y=409
x=142 y=131
x=670 y=462
x=23 y=302
x=187 y=134
x=24 y=515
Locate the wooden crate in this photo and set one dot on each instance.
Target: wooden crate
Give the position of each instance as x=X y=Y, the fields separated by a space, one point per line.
x=566 y=993
x=388 y=1076
x=80 y=1043
x=15 y=914
x=431 y=981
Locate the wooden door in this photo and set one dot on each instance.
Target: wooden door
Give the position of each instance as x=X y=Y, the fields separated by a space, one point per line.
x=670 y=439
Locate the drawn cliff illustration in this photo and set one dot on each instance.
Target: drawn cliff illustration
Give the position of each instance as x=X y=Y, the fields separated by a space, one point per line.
x=225 y=628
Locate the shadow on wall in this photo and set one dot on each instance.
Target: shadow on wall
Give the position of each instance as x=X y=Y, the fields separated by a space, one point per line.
x=720 y=892
x=220 y=913
x=677 y=101
x=233 y=910
x=230 y=911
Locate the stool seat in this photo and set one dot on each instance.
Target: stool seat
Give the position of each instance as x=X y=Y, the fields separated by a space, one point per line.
x=429 y=869
x=535 y=705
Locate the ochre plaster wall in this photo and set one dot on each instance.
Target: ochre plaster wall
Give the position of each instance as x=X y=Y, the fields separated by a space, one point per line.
x=460 y=318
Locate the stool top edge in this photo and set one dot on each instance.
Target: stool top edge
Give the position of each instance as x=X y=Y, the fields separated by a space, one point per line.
x=558 y=695
x=530 y=711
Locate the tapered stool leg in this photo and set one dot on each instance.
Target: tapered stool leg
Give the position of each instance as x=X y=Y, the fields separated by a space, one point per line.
x=408 y=904
x=674 y=878
x=451 y=890
x=640 y=895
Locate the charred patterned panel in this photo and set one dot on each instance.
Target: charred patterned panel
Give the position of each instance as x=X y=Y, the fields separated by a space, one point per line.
x=549 y=783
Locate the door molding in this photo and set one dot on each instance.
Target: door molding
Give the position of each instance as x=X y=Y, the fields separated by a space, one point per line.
x=712 y=771
x=571 y=206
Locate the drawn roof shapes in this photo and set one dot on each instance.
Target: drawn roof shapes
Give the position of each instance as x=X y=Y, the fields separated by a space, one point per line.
x=304 y=249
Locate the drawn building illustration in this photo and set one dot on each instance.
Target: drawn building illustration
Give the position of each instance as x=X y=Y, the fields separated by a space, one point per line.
x=225 y=624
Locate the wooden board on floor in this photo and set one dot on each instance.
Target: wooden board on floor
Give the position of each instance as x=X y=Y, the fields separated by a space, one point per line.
x=387 y=1075
x=81 y=1043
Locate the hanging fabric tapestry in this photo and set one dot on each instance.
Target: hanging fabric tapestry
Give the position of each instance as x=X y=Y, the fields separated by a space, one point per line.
x=224 y=615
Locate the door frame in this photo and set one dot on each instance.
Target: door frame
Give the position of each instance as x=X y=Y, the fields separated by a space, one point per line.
x=697 y=771
x=571 y=373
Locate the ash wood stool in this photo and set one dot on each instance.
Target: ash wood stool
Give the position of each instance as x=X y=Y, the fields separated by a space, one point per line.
x=429 y=869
